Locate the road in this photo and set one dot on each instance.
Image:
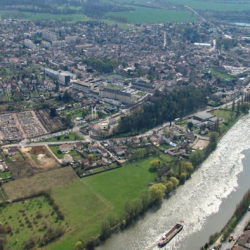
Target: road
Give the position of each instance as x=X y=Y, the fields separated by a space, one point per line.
x=196 y=13
x=237 y=231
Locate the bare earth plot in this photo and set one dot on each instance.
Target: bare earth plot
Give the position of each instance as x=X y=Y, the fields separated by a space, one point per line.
x=27 y=187
x=200 y=144
x=28 y=161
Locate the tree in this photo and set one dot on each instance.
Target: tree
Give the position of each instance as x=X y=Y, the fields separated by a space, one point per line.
x=52 y=112
x=105 y=229
x=2 y=236
x=197 y=157
x=91 y=157
x=175 y=181
x=187 y=166
x=67 y=121
x=133 y=208
x=190 y=125
x=238 y=109
x=169 y=187
x=157 y=192
x=244 y=108
x=67 y=97
x=154 y=165
x=145 y=200
x=213 y=137
x=216 y=126
x=183 y=176
x=233 y=105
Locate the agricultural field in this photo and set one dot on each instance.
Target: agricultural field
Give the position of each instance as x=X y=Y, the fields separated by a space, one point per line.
x=44 y=16
x=26 y=187
x=90 y=200
x=30 y=220
x=153 y=15
x=215 y=5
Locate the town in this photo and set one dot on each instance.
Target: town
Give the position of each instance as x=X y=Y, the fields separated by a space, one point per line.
x=66 y=87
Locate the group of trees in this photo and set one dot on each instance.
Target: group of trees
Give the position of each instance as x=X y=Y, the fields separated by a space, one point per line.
x=226 y=43
x=3 y=232
x=132 y=208
x=98 y=9
x=103 y=65
x=164 y=106
x=66 y=97
x=169 y=179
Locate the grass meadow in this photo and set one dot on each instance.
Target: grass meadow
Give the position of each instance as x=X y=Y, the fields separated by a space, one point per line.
x=153 y=15
x=214 y=5
x=44 y=16
x=86 y=202
x=28 y=186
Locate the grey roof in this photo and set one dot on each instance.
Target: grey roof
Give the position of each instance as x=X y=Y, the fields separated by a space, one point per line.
x=204 y=115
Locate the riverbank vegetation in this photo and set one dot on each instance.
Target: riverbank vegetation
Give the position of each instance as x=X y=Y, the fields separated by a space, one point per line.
x=241 y=209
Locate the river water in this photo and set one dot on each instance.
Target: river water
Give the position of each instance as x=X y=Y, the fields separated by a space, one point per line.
x=204 y=203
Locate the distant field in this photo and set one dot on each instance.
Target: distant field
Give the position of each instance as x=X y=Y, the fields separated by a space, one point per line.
x=26 y=187
x=121 y=25
x=44 y=16
x=153 y=15
x=28 y=219
x=89 y=200
x=218 y=5
x=214 y=4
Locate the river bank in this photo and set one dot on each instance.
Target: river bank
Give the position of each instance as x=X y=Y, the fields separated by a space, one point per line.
x=201 y=202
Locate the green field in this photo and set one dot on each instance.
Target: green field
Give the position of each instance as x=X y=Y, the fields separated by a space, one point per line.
x=44 y=16
x=224 y=114
x=28 y=219
x=153 y=15
x=216 y=5
x=71 y=136
x=223 y=76
x=86 y=202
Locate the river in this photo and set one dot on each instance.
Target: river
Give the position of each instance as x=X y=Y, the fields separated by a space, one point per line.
x=205 y=202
